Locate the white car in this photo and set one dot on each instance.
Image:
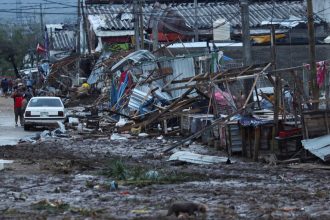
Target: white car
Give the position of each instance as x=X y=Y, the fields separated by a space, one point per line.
x=43 y=111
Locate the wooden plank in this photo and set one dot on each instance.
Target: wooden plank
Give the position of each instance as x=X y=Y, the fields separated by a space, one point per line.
x=173 y=104
x=243 y=134
x=254 y=84
x=315 y=122
x=165 y=46
x=256 y=143
x=168 y=83
x=178 y=88
x=229 y=138
x=187 y=79
x=250 y=141
x=157 y=77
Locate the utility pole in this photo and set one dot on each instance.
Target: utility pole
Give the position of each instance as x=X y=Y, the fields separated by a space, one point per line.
x=155 y=33
x=277 y=86
x=136 y=25
x=41 y=20
x=273 y=45
x=246 y=33
x=86 y=29
x=141 y=24
x=195 y=22
x=312 y=59
x=78 y=28
x=78 y=42
x=247 y=57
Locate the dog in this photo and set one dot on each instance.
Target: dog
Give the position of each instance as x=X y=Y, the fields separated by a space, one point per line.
x=186 y=207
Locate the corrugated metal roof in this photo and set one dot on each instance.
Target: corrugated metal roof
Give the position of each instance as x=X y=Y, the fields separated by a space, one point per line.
x=120 y=16
x=190 y=157
x=182 y=68
x=63 y=40
x=135 y=57
x=319 y=146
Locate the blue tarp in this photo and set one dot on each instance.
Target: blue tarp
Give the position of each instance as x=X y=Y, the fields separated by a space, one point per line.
x=251 y=121
x=225 y=58
x=120 y=91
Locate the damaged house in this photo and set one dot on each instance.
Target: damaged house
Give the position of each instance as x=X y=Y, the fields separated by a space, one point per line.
x=62 y=40
x=114 y=23
x=192 y=93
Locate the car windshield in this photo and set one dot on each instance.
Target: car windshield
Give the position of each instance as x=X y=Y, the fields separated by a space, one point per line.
x=45 y=103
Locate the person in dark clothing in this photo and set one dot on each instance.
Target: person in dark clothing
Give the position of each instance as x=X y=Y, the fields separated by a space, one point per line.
x=18 y=107
x=27 y=93
x=10 y=86
x=4 y=86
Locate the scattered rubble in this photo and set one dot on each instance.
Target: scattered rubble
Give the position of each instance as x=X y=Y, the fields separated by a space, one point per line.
x=147 y=131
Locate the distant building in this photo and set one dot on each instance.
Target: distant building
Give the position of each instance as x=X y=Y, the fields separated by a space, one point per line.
x=62 y=40
x=113 y=23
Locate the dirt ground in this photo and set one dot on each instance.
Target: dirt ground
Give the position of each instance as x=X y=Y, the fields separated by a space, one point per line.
x=73 y=179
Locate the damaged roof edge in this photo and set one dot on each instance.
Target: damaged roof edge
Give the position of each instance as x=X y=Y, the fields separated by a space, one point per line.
x=135 y=57
x=319 y=146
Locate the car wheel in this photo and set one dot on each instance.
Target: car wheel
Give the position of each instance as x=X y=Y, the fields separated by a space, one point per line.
x=26 y=127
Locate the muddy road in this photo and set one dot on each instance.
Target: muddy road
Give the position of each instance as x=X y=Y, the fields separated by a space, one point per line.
x=9 y=134
x=76 y=179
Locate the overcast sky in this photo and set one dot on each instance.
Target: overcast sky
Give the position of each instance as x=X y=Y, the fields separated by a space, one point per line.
x=54 y=11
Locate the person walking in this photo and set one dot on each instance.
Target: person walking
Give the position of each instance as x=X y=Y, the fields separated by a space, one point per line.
x=4 y=86
x=10 y=86
x=18 y=107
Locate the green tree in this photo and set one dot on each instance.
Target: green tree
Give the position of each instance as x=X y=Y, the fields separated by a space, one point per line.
x=15 y=43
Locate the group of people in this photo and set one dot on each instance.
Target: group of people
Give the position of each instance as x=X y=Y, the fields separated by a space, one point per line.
x=6 y=86
x=21 y=95
x=21 y=92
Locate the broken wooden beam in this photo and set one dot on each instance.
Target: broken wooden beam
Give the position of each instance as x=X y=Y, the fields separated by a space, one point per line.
x=219 y=121
x=254 y=84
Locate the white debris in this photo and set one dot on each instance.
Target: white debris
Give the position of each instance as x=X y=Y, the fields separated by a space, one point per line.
x=83 y=176
x=80 y=127
x=116 y=136
x=121 y=122
x=143 y=135
x=73 y=121
x=190 y=157
x=3 y=162
x=160 y=137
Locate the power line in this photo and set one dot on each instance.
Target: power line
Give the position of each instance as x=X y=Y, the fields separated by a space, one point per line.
x=145 y=13
x=59 y=3
x=113 y=11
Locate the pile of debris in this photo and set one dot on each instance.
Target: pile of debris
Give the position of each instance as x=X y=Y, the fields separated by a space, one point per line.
x=148 y=95
x=244 y=109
